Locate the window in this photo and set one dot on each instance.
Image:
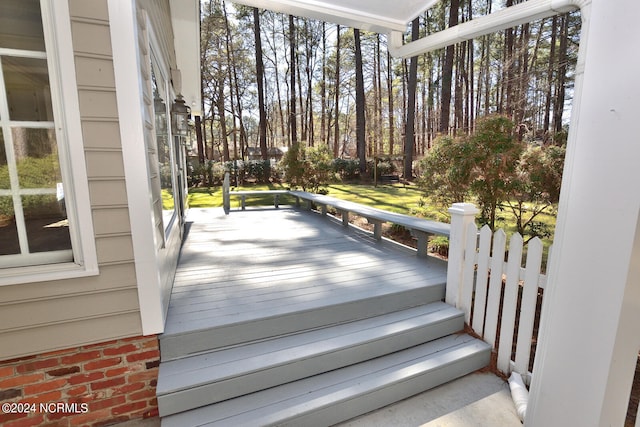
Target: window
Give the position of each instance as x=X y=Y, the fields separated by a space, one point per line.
x=39 y=219
x=165 y=165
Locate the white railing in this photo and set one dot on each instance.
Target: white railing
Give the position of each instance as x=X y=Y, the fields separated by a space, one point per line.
x=500 y=298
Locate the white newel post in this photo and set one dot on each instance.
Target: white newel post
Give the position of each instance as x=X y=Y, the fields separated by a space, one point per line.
x=226 y=202
x=462 y=214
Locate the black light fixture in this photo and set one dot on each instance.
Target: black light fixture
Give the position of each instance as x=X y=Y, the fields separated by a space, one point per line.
x=180 y=114
x=160 y=110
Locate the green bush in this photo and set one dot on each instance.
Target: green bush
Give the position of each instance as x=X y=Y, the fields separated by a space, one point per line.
x=260 y=170
x=439 y=245
x=308 y=168
x=346 y=168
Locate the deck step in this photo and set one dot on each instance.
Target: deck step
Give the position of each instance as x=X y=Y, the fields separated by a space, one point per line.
x=346 y=304
x=212 y=377
x=344 y=393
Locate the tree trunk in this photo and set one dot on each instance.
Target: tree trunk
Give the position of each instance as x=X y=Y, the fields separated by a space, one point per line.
x=410 y=136
x=199 y=140
x=562 y=74
x=223 y=124
x=323 y=88
x=360 y=106
x=262 y=130
x=550 y=80
x=392 y=124
x=293 y=128
x=336 y=137
x=447 y=72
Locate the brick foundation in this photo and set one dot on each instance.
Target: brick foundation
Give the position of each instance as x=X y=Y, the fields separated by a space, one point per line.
x=94 y=385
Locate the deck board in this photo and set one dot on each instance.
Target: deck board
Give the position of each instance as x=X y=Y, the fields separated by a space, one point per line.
x=259 y=263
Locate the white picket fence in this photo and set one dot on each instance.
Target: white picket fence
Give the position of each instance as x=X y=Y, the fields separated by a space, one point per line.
x=500 y=298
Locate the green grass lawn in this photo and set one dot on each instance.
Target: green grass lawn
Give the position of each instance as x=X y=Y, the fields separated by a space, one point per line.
x=202 y=197
x=399 y=198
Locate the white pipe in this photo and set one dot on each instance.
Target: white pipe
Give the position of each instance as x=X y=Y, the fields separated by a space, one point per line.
x=505 y=18
x=519 y=393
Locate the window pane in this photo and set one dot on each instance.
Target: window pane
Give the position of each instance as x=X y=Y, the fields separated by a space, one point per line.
x=47 y=224
x=8 y=229
x=21 y=25
x=165 y=165
x=28 y=94
x=36 y=155
x=4 y=169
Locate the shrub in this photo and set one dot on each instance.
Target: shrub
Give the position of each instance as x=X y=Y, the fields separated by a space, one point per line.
x=439 y=245
x=260 y=170
x=346 y=168
x=308 y=168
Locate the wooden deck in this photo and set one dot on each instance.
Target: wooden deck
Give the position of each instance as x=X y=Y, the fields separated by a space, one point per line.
x=256 y=264
x=287 y=317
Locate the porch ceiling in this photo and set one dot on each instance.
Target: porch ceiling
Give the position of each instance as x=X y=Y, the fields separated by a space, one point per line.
x=373 y=15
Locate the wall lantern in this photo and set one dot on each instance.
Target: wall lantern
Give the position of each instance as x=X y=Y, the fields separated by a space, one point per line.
x=180 y=115
x=160 y=110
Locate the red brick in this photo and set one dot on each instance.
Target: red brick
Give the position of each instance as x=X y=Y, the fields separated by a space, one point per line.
x=87 y=398
x=152 y=364
x=128 y=388
x=149 y=375
x=59 y=413
x=80 y=357
x=61 y=372
x=145 y=355
x=90 y=417
x=112 y=421
x=116 y=372
x=134 y=339
x=114 y=382
x=6 y=371
x=21 y=380
x=77 y=391
x=17 y=359
x=34 y=420
x=60 y=352
x=36 y=365
x=83 y=378
x=152 y=343
x=5 y=417
x=102 y=363
x=52 y=396
x=44 y=387
x=129 y=407
x=57 y=423
x=101 y=344
x=151 y=413
x=107 y=403
x=149 y=393
x=10 y=393
x=123 y=349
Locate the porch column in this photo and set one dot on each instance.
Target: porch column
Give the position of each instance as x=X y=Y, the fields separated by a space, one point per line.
x=589 y=337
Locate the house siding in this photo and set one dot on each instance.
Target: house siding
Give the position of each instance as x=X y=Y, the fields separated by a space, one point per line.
x=79 y=341
x=39 y=317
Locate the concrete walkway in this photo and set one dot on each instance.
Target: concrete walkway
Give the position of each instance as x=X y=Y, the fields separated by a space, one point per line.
x=477 y=400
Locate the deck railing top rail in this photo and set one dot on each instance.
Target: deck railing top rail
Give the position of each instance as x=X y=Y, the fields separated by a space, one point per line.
x=419 y=228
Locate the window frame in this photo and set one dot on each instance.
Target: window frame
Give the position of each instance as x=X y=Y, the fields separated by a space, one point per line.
x=67 y=124
x=158 y=64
